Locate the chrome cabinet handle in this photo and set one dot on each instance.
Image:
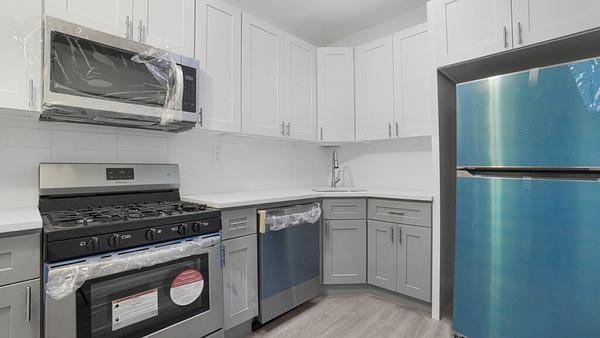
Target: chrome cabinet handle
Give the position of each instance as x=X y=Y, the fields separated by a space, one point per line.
x=141 y=31
x=224 y=255
x=201 y=122
x=520 y=28
x=390 y=129
x=321 y=133
x=399 y=235
x=396 y=213
x=282 y=125
x=392 y=233
x=28 y=300
x=397 y=129
x=505 y=37
x=288 y=127
x=31 y=93
x=127 y=27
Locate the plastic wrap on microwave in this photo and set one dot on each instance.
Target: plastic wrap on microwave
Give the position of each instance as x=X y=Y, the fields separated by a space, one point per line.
x=64 y=280
x=587 y=77
x=280 y=219
x=27 y=35
x=91 y=65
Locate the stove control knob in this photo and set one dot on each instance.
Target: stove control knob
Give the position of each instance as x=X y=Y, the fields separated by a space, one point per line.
x=114 y=240
x=182 y=229
x=93 y=244
x=197 y=226
x=151 y=234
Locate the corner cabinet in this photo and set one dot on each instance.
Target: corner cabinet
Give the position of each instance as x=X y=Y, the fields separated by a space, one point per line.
x=20 y=60
x=335 y=85
x=374 y=64
x=219 y=50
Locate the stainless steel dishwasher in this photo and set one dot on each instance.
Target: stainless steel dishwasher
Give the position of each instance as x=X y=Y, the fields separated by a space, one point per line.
x=288 y=258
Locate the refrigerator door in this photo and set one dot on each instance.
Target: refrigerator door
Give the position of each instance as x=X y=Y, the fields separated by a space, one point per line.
x=527 y=258
x=548 y=117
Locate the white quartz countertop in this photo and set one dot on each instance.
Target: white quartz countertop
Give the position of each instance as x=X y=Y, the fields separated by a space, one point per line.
x=247 y=198
x=19 y=219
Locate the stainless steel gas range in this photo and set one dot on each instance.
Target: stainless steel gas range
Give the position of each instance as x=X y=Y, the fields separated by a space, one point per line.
x=125 y=257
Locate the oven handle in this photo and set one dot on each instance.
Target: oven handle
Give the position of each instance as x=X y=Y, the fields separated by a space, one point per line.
x=64 y=280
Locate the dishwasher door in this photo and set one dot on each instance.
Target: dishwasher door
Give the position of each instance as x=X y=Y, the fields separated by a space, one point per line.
x=289 y=259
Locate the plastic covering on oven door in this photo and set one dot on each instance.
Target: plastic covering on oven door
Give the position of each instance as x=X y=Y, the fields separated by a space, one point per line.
x=65 y=280
x=283 y=218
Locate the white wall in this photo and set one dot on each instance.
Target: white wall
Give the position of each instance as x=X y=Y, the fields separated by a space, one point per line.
x=405 y=20
x=245 y=163
x=400 y=164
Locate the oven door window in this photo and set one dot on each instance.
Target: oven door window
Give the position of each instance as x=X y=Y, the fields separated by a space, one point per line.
x=86 y=68
x=136 y=303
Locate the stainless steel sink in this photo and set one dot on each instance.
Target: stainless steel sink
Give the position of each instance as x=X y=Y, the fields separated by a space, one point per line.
x=342 y=189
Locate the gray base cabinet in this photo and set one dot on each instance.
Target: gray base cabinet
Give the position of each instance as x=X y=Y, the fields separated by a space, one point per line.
x=240 y=280
x=20 y=310
x=399 y=258
x=344 y=251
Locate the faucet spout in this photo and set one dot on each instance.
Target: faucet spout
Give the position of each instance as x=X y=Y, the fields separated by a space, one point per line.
x=335 y=174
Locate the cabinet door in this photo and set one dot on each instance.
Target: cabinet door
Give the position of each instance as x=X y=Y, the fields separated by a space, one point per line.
x=262 y=80
x=335 y=85
x=110 y=16
x=20 y=310
x=381 y=254
x=21 y=55
x=240 y=280
x=414 y=261
x=345 y=252
x=219 y=49
x=467 y=29
x=166 y=24
x=300 y=84
x=539 y=20
x=374 y=90
x=414 y=72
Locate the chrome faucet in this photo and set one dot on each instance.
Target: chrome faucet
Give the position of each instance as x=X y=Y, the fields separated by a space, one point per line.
x=335 y=174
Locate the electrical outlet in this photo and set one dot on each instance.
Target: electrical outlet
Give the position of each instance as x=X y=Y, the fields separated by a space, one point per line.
x=216 y=153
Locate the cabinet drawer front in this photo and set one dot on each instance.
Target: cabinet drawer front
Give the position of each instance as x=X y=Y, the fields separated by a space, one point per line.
x=19 y=258
x=20 y=310
x=413 y=213
x=238 y=222
x=345 y=208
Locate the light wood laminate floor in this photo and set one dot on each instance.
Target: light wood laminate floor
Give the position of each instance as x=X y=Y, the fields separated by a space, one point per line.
x=361 y=315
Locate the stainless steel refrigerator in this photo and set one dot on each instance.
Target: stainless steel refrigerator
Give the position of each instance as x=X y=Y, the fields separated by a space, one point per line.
x=527 y=250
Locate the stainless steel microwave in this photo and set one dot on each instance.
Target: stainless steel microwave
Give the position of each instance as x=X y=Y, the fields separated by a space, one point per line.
x=98 y=78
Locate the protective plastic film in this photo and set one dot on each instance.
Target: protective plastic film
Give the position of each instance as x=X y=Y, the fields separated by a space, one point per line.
x=587 y=77
x=64 y=280
x=280 y=219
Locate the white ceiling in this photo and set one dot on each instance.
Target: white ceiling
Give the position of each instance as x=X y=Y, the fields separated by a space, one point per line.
x=326 y=21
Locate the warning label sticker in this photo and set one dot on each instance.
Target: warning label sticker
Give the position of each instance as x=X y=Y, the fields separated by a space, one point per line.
x=134 y=309
x=187 y=287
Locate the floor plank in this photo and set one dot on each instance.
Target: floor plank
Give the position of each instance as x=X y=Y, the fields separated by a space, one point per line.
x=355 y=316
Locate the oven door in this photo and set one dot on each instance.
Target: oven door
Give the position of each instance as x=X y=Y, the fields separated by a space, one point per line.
x=87 y=72
x=178 y=298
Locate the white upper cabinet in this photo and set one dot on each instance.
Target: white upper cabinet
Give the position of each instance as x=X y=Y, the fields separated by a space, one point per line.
x=262 y=78
x=218 y=47
x=166 y=24
x=374 y=90
x=468 y=29
x=300 y=85
x=335 y=84
x=110 y=16
x=539 y=20
x=21 y=55
x=413 y=85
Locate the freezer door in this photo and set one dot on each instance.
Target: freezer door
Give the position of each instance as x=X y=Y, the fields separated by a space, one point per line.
x=547 y=117
x=527 y=258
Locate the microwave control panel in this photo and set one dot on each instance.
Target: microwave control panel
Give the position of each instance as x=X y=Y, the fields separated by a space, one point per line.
x=189 y=89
